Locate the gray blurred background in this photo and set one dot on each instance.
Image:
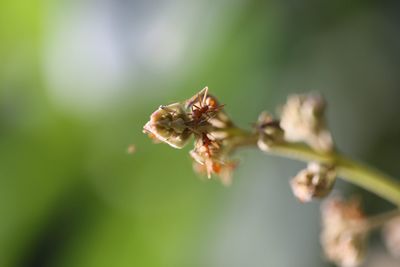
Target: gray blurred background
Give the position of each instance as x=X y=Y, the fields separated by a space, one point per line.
x=79 y=79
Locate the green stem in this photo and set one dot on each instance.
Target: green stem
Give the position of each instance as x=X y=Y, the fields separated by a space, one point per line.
x=348 y=169
x=369 y=179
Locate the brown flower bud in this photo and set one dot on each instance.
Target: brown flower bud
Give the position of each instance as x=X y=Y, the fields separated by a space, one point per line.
x=168 y=124
x=270 y=133
x=303 y=120
x=316 y=181
x=391 y=236
x=343 y=235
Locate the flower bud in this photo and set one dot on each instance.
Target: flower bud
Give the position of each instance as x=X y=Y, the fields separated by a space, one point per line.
x=316 y=181
x=270 y=132
x=168 y=124
x=343 y=235
x=303 y=120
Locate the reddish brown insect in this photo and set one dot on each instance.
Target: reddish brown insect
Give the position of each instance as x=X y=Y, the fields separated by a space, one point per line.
x=210 y=147
x=205 y=109
x=207 y=143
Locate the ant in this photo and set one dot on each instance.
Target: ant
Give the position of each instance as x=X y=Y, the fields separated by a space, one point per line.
x=207 y=106
x=210 y=148
x=207 y=142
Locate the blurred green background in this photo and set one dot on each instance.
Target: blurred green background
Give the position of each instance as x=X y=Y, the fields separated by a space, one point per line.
x=79 y=79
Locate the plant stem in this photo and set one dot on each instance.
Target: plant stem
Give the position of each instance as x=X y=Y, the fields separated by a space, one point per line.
x=347 y=169
x=378 y=220
x=369 y=179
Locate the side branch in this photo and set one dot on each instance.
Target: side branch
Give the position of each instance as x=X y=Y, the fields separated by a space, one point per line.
x=348 y=169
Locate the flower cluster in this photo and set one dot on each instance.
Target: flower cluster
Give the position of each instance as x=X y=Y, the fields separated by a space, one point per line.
x=316 y=181
x=301 y=132
x=303 y=119
x=344 y=234
x=203 y=117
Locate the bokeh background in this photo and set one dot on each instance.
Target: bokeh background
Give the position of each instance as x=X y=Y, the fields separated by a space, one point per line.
x=79 y=79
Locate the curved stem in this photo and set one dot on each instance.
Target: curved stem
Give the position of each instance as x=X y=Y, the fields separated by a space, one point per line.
x=370 y=179
x=348 y=169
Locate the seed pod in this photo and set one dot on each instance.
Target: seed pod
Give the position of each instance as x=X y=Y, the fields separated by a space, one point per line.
x=168 y=124
x=316 y=181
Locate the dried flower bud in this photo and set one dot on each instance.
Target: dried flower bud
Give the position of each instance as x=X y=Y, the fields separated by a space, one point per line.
x=270 y=132
x=391 y=236
x=343 y=235
x=169 y=124
x=316 y=181
x=303 y=120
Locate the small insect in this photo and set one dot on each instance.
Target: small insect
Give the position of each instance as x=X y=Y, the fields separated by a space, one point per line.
x=211 y=161
x=203 y=107
x=207 y=142
x=210 y=148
